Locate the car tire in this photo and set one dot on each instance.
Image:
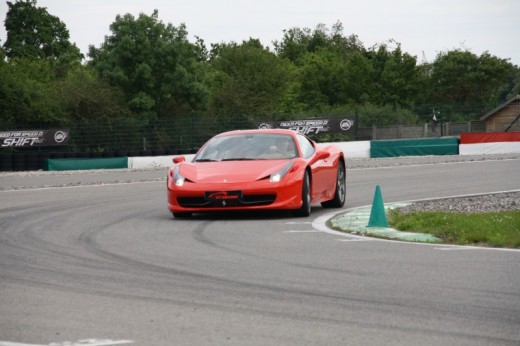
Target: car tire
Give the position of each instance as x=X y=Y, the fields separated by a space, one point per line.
x=340 y=191
x=305 y=209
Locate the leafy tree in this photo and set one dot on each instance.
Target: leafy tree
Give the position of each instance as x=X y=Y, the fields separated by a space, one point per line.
x=298 y=42
x=97 y=113
x=370 y=114
x=158 y=69
x=510 y=87
x=395 y=76
x=515 y=89
x=358 y=78
x=322 y=77
x=337 y=70
x=34 y=33
x=28 y=96
x=294 y=44
x=332 y=67
x=329 y=80
x=467 y=82
x=249 y=79
x=344 y=45
x=86 y=97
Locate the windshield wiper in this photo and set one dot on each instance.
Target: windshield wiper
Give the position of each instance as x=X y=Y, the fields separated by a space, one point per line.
x=206 y=160
x=241 y=159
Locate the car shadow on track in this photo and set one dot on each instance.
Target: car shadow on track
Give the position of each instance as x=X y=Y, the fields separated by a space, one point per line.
x=244 y=215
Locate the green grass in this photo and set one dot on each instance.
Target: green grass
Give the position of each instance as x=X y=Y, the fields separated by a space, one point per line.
x=497 y=229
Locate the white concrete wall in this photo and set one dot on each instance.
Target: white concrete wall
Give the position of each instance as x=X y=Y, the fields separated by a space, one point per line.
x=146 y=162
x=489 y=148
x=359 y=149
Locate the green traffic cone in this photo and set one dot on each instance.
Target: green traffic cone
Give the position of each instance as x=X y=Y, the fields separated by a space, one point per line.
x=377 y=213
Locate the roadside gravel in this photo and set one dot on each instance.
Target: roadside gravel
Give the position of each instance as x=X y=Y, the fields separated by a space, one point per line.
x=425 y=160
x=466 y=204
x=469 y=204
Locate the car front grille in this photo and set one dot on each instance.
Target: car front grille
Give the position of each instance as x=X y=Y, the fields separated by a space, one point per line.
x=244 y=201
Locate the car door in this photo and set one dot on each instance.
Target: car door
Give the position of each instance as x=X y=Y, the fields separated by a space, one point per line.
x=320 y=170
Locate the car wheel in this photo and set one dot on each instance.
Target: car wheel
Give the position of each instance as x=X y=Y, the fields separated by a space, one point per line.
x=305 y=209
x=340 y=192
x=181 y=215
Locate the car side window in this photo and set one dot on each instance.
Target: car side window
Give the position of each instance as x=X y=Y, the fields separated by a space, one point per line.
x=306 y=146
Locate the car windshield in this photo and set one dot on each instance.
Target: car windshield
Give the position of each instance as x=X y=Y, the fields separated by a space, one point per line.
x=248 y=147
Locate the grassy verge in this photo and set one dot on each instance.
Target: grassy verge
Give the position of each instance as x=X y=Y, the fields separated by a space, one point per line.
x=497 y=229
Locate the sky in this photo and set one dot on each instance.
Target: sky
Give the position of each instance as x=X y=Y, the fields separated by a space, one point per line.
x=423 y=28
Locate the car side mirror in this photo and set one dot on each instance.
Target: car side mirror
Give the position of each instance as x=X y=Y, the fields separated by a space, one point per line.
x=179 y=159
x=320 y=155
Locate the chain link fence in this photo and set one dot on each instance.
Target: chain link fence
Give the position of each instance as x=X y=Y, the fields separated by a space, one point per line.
x=188 y=133
x=104 y=138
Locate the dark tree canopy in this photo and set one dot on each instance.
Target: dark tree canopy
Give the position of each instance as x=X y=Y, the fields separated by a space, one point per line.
x=463 y=77
x=34 y=33
x=248 y=78
x=158 y=69
x=147 y=71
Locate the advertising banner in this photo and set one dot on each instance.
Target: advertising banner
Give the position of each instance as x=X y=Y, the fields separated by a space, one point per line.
x=310 y=126
x=33 y=138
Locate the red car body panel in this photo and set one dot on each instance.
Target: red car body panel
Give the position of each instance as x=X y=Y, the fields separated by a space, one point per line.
x=246 y=185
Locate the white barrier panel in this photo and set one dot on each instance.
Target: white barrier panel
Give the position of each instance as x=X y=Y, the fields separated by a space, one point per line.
x=147 y=162
x=351 y=150
x=359 y=149
x=489 y=148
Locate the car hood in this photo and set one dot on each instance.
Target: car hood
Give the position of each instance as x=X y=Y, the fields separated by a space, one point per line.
x=230 y=171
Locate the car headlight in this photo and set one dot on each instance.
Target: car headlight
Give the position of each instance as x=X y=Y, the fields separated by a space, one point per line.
x=178 y=179
x=277 y=177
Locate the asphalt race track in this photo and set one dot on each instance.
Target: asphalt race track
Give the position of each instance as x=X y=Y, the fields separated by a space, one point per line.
x=107 y=264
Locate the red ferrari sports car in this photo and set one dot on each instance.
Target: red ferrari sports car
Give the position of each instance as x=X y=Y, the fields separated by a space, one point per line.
x=257 y=169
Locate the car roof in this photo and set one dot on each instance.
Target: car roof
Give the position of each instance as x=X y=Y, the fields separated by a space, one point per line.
x=260 y=131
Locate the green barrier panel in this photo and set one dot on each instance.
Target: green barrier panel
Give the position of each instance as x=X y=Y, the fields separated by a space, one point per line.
x=80 y=164
x=415 y=147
